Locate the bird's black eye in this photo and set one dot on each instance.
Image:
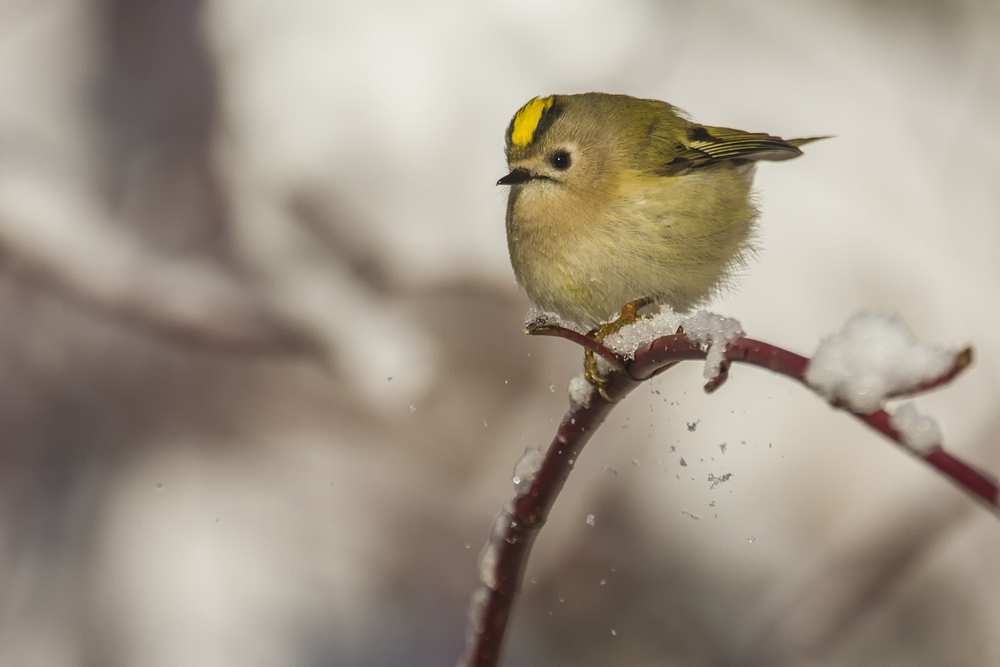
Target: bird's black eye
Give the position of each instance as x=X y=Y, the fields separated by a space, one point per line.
x=560 y=160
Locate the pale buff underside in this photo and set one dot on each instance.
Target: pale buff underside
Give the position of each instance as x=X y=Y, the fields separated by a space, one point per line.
x=674 y=239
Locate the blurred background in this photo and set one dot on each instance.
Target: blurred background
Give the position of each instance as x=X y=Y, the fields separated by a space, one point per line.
x=263 y=380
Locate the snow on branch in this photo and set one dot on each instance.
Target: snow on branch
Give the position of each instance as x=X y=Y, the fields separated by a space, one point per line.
x=874 y=358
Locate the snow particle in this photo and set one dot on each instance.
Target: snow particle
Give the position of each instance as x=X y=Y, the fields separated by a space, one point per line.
x=918 y=431
x=580 y=392
x=713 y=332
x=718 y=480
x=526 y=470
x=643 y=331
x=489 y=557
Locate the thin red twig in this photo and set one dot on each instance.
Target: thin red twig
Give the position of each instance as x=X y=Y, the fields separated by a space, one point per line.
x=492 y=603
x=520 y=521
x=583 y=341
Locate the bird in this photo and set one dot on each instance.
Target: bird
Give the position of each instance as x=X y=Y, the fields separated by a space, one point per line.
x=617 y=200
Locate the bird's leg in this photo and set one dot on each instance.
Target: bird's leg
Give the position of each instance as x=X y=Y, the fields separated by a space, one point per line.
x=629 y=314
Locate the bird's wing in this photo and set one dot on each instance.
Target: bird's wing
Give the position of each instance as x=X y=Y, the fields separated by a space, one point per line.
x=707 y=145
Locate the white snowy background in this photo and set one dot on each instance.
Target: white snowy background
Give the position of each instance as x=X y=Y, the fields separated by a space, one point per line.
x=262 y=375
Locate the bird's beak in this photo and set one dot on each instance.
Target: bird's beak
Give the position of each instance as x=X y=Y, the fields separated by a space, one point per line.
x=519 y=175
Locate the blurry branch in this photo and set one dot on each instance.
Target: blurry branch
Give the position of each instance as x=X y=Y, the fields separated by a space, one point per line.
x=55 y=234
x=505 y=556
x=344 y=234
x=809 y=609
x=367 y=337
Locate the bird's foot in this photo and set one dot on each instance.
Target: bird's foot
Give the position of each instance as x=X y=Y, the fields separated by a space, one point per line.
x=591 y=371
x=629 y=315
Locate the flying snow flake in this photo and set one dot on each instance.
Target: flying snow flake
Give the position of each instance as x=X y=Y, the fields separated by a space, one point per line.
x=715 y=480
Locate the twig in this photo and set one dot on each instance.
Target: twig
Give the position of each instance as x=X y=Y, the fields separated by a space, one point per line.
x=502 y=566
x=55 y=234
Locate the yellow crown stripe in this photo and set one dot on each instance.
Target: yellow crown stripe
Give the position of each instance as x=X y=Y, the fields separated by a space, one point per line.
x=526 y=120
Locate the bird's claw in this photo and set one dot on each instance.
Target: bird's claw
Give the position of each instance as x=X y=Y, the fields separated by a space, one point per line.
x=629 y=315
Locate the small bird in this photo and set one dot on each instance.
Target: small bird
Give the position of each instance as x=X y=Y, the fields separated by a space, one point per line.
x=617 y=200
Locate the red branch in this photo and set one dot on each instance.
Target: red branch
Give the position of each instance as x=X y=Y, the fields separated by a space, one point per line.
x=515 y=531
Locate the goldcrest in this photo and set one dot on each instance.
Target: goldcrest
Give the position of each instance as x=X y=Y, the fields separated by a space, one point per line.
x=615 y=199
